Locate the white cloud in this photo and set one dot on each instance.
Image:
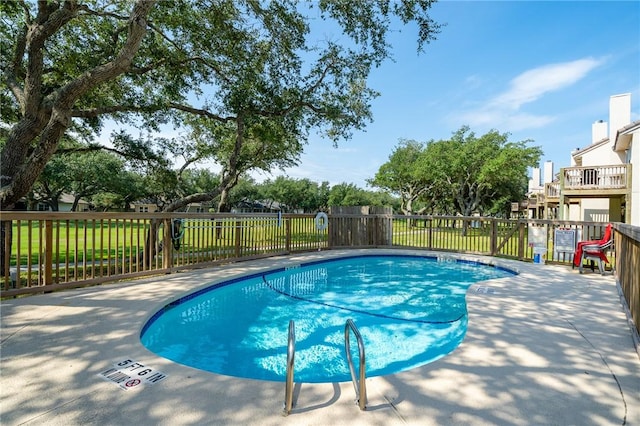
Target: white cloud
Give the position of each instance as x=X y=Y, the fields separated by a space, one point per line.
x=504 y=110
x=473 y=81
x=517 y=122
x=531 y=85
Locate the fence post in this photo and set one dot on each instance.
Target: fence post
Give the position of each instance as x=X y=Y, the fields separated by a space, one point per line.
x=494 y=237
x=561 y=201
x=288 y=235
x=7 y=230
x=521 y=226
x=238 y=237
x=149 y=250
x=167 y=246
x=48 y=252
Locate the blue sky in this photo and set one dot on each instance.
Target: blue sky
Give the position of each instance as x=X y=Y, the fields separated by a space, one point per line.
x=538 y=70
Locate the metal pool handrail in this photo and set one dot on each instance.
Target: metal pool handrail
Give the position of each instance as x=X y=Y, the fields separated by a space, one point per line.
x=291 y=351
x=359 y=385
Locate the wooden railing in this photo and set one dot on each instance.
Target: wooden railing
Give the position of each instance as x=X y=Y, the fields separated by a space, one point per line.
x=627 y=243
x=596 y=177
x=552 y=190
x=48 y=251
x=488 y=236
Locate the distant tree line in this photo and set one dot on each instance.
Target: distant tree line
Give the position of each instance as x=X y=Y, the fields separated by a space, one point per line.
x=109 y=183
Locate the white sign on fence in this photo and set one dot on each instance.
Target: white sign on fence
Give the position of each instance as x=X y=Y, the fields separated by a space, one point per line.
x=538 y=238
x=564 y=240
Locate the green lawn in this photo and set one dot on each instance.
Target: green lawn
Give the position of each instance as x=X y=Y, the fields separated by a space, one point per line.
x=80 y=241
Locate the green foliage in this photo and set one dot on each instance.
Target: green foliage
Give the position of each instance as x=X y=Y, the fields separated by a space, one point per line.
x=462 y=175
x=347 y=194
x=404 y=174
x=198 y=180
x=296 y=194
x=82 y=171
x=485 y=171
x=246 y=190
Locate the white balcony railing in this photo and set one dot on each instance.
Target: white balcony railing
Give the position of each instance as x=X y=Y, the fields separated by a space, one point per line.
x=595 y=177
x=552 y=190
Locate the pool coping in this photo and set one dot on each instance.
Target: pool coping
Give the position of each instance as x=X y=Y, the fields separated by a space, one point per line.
x=548 y=346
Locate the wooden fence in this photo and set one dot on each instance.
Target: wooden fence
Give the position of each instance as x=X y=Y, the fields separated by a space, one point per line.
x=627 y=244
x=50 y=251
x=479 y=235
x=45 y=251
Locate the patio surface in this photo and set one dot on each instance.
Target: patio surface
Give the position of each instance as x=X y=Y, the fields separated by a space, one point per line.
x=546 y=347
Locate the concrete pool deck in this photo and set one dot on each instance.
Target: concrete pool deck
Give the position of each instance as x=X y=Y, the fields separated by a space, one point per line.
x=549 y=346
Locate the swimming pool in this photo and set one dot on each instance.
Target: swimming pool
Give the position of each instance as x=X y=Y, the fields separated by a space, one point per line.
x=410 y=310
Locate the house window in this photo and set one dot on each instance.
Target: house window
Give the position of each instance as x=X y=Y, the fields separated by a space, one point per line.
x=143 y=209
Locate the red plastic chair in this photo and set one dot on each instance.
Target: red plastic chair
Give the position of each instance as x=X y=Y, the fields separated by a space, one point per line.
x=594 y=250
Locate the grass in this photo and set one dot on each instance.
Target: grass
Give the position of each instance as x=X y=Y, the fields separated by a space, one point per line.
x=446 y=235
x=90 y=241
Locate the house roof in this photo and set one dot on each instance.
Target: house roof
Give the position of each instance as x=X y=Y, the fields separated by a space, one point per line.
x=578 y=153
x=623 y=136
x=260 y=204
x=621 y=142
x=68 y=199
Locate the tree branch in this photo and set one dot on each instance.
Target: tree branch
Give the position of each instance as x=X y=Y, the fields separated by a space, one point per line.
x=47 y=22
x=85 y=8
x=105 y=72
x=15 y=68
x=96 y=112
x=201 y=112
x=155 y=65
x=90 y=148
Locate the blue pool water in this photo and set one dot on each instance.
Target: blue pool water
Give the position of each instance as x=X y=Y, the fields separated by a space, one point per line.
x=410 y=310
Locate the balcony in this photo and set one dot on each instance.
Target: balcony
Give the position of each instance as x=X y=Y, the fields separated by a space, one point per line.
x=575 y=183
x=589 y=182
x=593 y=181
x=552 y=192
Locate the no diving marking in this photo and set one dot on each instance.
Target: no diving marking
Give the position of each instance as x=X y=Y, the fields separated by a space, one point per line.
x=128 y=374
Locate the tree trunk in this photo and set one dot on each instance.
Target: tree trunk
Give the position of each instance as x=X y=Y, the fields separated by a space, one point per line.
x=223 y=205
x=145 y=258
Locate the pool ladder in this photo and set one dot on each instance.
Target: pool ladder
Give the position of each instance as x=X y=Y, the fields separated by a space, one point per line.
x=359 y=383
x=291 y=353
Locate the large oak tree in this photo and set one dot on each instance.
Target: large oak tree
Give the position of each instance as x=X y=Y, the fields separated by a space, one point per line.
x=463 y=175
x=404 y=175
x=249 y=69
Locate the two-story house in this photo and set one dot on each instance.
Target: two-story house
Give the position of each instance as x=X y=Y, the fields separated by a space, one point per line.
x=600 y=186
